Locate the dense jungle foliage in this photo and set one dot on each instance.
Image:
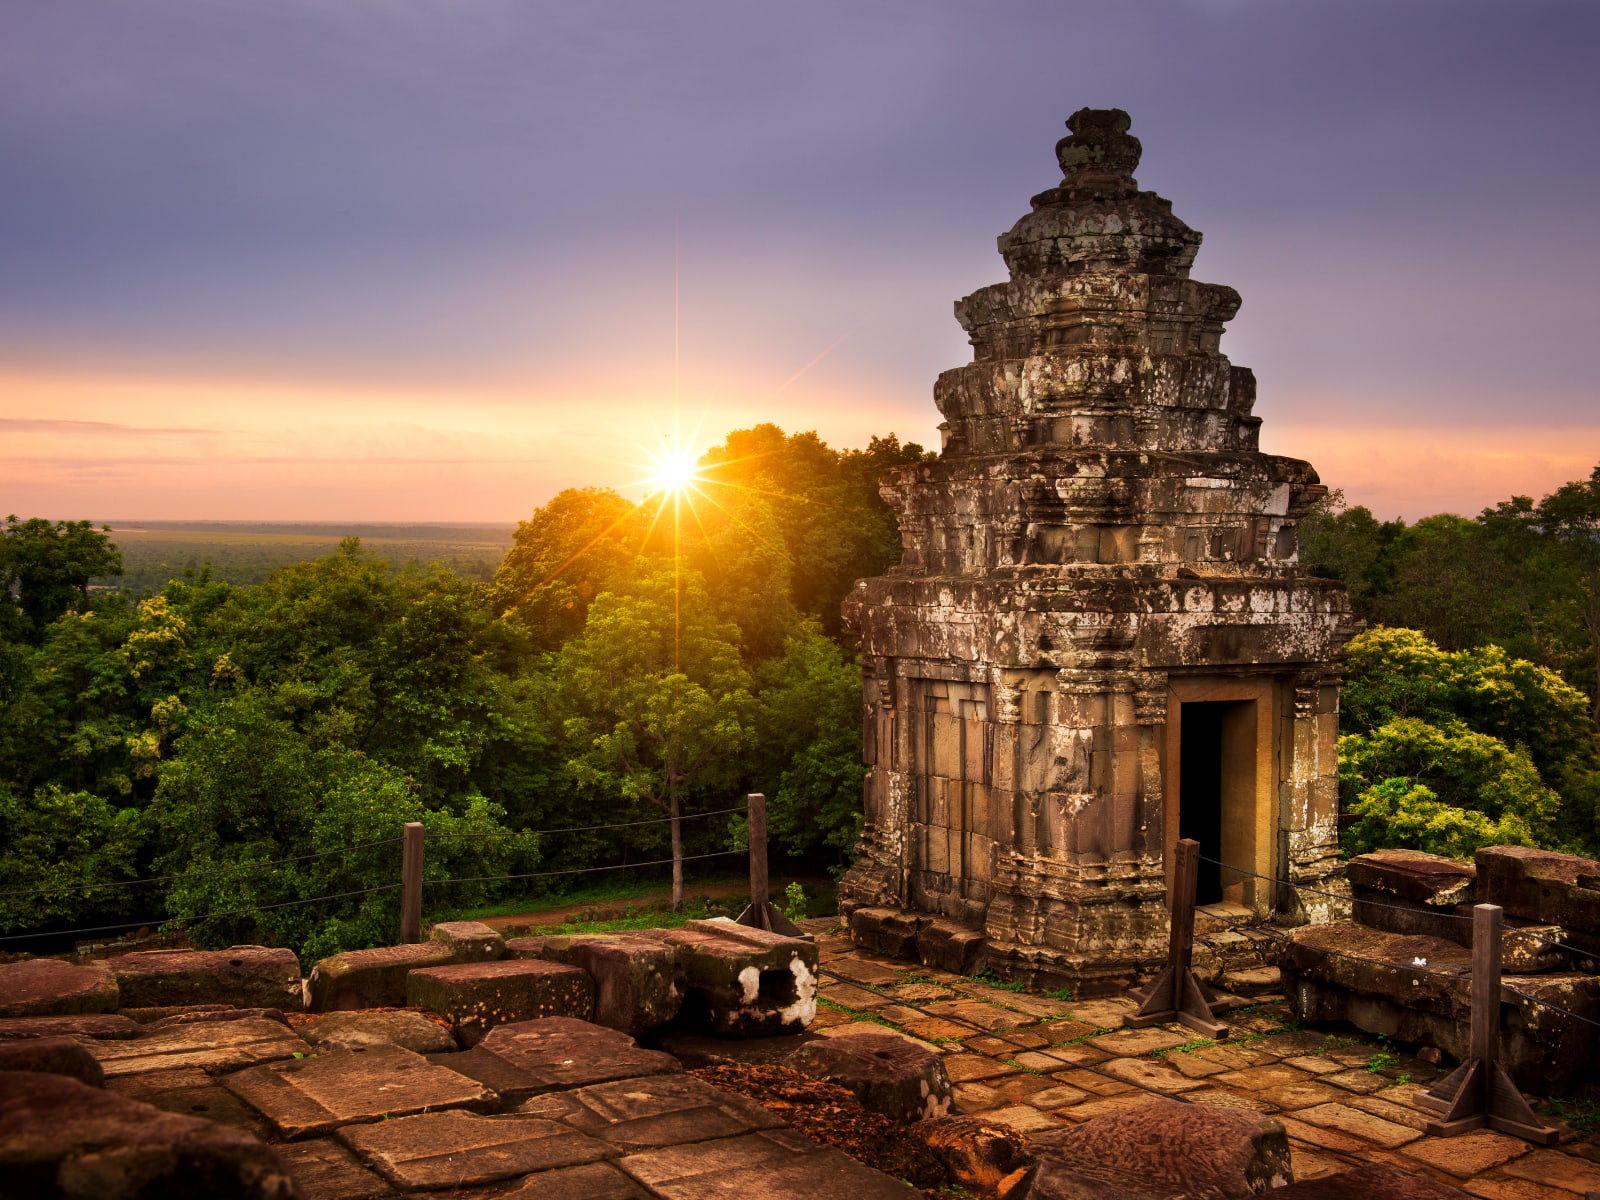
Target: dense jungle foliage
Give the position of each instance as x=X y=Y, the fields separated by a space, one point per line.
x=165 y=746
x=1469 y=714
x=626 y=659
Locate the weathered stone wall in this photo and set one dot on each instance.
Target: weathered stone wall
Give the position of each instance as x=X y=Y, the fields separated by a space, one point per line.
x=1100 y=536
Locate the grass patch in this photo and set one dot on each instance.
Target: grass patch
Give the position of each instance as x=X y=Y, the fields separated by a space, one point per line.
x=610 y=893
x=1185 y=1048
x=988 y=976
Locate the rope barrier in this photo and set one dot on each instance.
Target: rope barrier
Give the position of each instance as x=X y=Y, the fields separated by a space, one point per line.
x=581 y=828
x=584 y=870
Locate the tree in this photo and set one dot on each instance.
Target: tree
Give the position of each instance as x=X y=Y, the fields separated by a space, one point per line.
x=45 y=570
x=654 y=700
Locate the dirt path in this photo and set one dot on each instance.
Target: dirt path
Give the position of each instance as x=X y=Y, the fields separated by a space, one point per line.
x=608 y=910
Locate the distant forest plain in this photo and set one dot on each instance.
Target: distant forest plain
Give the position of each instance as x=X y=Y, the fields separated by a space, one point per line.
x=246 y=552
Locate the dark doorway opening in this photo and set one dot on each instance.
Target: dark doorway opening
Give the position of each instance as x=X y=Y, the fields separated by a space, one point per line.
x=1200 y=791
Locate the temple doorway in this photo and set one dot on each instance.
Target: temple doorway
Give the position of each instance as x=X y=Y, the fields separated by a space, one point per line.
x=1217 y=792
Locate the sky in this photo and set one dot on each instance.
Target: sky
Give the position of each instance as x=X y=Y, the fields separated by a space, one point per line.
x=435 y=260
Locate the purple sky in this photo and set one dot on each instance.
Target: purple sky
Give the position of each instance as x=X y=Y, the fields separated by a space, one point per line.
x=414 y=259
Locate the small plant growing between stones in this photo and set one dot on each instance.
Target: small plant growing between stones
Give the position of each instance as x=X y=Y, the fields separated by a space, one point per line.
x=1063 y=994
x=1026 y=1070
x=988 y=976
x=1185 y=1048
x=794 y=902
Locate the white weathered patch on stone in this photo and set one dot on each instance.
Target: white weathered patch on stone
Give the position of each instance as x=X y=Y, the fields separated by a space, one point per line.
x=750 y=981
x=804 y=1008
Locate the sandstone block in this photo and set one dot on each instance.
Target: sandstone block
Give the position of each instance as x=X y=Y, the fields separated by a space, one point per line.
x=1162 y=1149
x=94 y=1025
x=460 y=1149
x=976 y=1153
x=532 y=1057
x=660 y=1110
x=886 y=931
x=595 y=1181
x=394 y=1027
x=950 y=947
x=774 y=1164
x=214 y=1048
x=470 y=941
x=475 y=997
x=1544 y=887
x=326 y=1170
x=43 y=987
x=311 y=1097
x=743 y=982
x=243 y=976
x=888 y=1074
x=52 y=1056
x=208 y=1016
x=373 y=978
x=639 y=982
x=59 y=1137
x=526 y=947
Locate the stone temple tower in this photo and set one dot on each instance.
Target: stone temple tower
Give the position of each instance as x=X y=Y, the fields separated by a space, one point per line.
x=1098 y=639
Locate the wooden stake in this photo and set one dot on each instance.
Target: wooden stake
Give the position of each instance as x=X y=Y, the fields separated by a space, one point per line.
x=1177 y=995
x=1479 y=1092
x=761 y=914
x=411 y=885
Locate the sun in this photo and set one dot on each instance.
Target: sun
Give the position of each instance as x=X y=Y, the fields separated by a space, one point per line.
x=672 y=470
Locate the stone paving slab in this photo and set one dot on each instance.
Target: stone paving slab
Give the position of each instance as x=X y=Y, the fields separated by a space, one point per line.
x=593 y=1181
x=94 y=1025
x=224 y=1046
x=326 y=1170
x=523 y=1060
x=1467 y=1154
x=310 y=1097
x=459 y=1149
x=1359 y=1124
x=477 y=996
x=771 y=1165
x=661 y=1110
x=391 y=1027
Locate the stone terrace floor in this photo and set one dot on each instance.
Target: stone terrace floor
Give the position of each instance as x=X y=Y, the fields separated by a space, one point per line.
x=1036 y=1062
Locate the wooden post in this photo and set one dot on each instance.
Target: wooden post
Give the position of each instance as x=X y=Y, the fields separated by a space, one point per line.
x=1177 y=995
x=761 y=914
x=411 y=885
x=1479 y=1092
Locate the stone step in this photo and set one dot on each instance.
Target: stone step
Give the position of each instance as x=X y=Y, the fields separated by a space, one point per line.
x=476 y=996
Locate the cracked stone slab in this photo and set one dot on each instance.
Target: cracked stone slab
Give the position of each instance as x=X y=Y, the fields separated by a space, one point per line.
x=44 y=987
x=393 y=1027
x=218 y=1047
x=326 y=1170
x=554 y=1054
x=775 y=1164
x=593 y=1181
x=458 y=1149
x=94 y=1025
x=310 y=1097
x=659 y=1110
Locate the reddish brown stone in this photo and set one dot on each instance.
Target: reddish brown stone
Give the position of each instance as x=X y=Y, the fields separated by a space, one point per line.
x=43 y=987
x=61 y=1137
x=242 y=976
x=976 y=1153
x=52 y=1056
x=390 y=1027
x=459 y=1149
x=476 y=996
x=94 y=1025
x=224 y=1046
x=532 y=1057
x=469 y=941
x=639 y=981
x=888 y=1074
x=1375 y=1181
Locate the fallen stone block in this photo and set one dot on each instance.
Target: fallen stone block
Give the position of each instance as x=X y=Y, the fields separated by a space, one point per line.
x=779 y=1162
x=887 y=930
x=661 y=1110
x=223 y=1014
x=59 y=1137
x=311 y=1097
x=225 y=1046
x=469 y=941
x=43 y=987
x=743 y=982
x=1160 y=1150
x=1345 y=972
x=393 y=1027
x=94 y=1025
x=146 y=1015
x=529 y=1058
x=1546 y=888
x=639 y=982
x=951 y=947
x=526 y=947
x=475 y=997
x=242 y=976
x=52 y=1056
x=1374 y=1181
x=460 y=1149
x=1413 y=892
x=373 y=978
x=888 y=1074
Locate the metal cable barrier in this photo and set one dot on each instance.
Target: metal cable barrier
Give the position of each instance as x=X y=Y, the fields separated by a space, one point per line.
x=250 y=867
x=1455 y=976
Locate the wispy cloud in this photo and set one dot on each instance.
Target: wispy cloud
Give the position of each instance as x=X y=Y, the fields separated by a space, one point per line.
x=45 y=425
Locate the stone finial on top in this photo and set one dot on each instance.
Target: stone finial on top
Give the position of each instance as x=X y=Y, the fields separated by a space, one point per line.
x=1098 y=148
